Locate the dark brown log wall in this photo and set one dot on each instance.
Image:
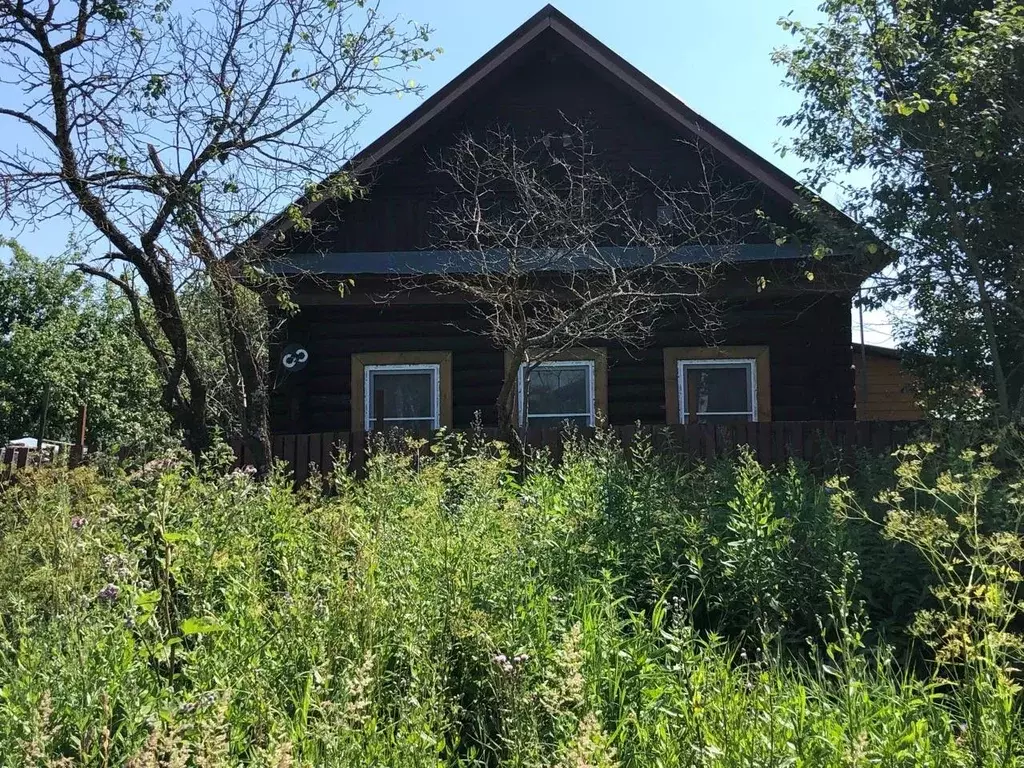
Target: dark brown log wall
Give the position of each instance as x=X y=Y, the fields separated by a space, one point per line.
x=808 y=339
x=808 y=336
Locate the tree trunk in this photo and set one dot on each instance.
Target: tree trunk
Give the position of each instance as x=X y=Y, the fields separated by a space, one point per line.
x=253 y=395
x=984 y=299
x=196 y=432
x=507 y=421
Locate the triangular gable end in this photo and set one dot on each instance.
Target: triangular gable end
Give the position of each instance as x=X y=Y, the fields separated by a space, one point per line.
x=551 y=21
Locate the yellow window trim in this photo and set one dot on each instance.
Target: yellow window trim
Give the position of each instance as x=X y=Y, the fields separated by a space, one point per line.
x=362 y=359
x=759 y=354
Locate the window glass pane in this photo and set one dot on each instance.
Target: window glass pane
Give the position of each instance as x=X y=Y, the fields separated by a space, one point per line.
x=718 y=389
x=557 y=422
x=559 y=390
x=407 y=394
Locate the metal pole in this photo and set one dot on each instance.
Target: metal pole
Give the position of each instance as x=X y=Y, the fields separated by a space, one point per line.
x=863 y=396
x=42 y=422
x=83 y=414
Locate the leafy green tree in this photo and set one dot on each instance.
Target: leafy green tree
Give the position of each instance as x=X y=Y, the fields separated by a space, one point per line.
x=169 y=136
x=58 y=328
x=915 y=109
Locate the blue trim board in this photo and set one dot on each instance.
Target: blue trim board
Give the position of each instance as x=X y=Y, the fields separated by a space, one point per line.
x=435 y=262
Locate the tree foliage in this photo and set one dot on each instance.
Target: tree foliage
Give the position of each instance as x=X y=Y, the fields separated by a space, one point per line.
x=59 y=329
x=915 y=108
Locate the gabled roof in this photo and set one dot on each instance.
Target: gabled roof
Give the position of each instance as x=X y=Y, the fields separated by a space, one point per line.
x=617 y=68
x=875 y=350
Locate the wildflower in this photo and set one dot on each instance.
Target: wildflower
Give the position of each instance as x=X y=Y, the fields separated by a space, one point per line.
x=78 y=523
x=506 y=665
x=109 y=593
x=360 y=685
x=203 y=702
x=590 y=748
x=117 y=567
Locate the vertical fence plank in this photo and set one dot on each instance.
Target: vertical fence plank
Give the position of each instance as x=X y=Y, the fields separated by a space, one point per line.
x=288 y=452
x=881 y=437
x=358 y=451
x=301 y=458
x=796 y=446
x=626 y=435
x=749 y=438
x=344 y=450
x=863 y=434
x=764 y=442
x=707 y=442
x=316 y=451
x=725 y=439
x=327 y=448
x=812 y=443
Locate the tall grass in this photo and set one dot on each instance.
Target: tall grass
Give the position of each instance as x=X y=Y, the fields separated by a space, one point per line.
x=443 y=611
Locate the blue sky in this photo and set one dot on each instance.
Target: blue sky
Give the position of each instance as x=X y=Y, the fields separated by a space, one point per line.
x=713 y=54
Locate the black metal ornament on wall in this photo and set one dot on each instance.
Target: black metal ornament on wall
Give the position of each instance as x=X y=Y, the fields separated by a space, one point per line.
x=294 y=358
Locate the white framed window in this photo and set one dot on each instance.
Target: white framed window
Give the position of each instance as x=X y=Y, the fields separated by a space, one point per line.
x=560 y=391
x=717 y=391
x=402 y=396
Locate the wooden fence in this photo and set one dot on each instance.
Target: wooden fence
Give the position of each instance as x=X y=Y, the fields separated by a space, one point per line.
x=16 y=458
x=818 y=442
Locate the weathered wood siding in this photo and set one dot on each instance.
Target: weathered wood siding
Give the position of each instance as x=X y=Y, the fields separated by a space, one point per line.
x=890 y=394
x=808 y=339
x=548 y=85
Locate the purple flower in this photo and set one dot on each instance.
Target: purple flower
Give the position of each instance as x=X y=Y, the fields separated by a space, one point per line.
x=78 y=523
x=109 y=593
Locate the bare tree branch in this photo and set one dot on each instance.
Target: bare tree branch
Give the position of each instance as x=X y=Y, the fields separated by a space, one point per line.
x=554 y=250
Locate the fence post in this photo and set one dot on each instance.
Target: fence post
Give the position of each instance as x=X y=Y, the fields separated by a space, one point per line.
x=77 y=453
x=42 y=423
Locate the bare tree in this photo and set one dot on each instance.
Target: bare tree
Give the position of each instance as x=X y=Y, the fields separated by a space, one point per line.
x=168 y=138
x=553 y=249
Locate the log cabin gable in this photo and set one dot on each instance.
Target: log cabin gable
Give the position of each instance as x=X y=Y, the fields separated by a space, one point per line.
x=794 y=338
x=547 y=72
